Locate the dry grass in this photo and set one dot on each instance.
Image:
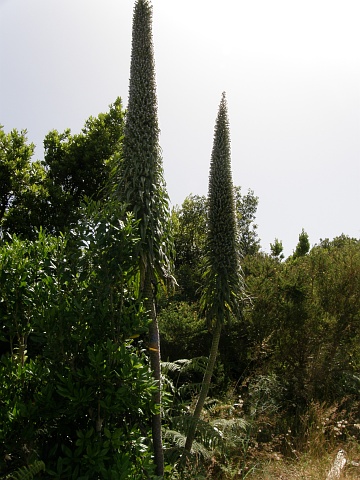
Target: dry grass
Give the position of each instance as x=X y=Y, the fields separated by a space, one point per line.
x=272 y=465
x=271 y=446
x=306 y=467
x=308 y=456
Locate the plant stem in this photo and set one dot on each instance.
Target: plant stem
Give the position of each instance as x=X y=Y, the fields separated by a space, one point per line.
x=204 y=386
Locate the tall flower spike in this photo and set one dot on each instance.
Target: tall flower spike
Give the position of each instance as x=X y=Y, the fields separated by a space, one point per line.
x=222 y=279
x=142 y=188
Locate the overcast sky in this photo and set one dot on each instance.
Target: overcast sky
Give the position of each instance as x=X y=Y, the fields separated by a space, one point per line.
x=290 y=68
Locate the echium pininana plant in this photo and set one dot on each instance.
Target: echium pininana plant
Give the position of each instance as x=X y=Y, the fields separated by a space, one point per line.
x=142 y=188
x=222 y=279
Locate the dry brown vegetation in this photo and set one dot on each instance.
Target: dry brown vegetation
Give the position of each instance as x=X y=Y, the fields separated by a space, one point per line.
x=256 y=452
x=306 y=467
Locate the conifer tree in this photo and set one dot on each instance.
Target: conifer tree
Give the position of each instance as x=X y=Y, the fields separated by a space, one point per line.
x=303 y=246
x=222 y=279
x=142 y=188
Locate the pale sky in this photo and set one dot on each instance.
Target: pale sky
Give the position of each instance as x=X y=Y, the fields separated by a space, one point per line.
x=290 y=68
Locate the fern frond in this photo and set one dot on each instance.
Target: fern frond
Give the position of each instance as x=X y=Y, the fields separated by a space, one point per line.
x=27 y=472
x=176 y=438
x=225 y=424
x=196 y=364
x=189 y=388
x=167 y=383
x=170 y=367
x=179 y=440
x=233 y=430
x=183 y=365
x=206 y=434
x=175 y=453
x=198 y=448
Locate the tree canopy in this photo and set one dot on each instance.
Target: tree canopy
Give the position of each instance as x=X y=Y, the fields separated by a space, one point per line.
x=48 y=193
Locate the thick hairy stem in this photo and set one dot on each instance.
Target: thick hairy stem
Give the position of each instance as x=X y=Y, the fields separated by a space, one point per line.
x=154 y=349
x=204 y=387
